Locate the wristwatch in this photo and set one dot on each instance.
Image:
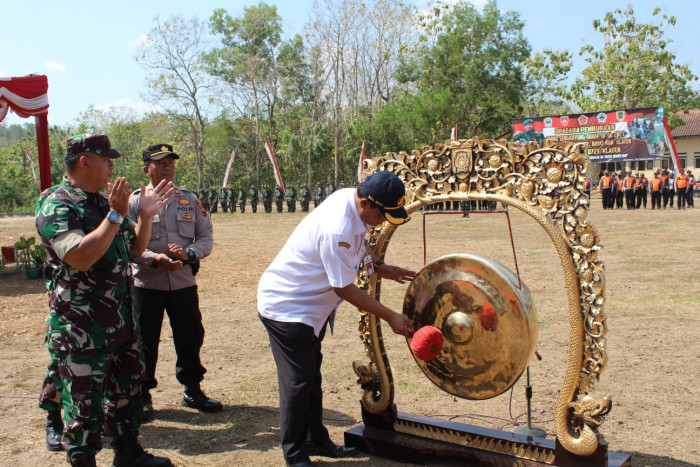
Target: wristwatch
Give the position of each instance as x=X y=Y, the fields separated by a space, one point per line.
x=114 y=217
x=191 y=257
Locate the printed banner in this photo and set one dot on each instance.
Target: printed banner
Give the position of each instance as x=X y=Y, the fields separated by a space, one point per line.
x=618 y=135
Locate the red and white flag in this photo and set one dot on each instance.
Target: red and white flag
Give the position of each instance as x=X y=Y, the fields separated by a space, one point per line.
x=454 y=133
x=31 y=164
x=361 y=165
x=271 y=154
x=228 y=168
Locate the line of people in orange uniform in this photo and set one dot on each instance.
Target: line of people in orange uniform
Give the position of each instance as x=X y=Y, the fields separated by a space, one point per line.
x=633 y=192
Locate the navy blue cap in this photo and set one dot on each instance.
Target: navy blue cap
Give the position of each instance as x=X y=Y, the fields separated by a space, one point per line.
x=388 y=193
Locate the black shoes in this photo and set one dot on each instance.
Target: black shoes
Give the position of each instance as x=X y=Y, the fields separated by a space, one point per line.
x=84 y=462
x=300 y=464
x=54 y=430
x=147 y=414
x=329 y=449
x=129 y=453
x=195 y=398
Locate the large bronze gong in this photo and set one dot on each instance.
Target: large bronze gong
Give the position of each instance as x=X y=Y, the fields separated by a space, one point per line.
x=488 y=322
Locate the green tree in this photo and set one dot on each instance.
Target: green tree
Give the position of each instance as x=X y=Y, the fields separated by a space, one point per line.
x=247 y=60
x=470 y=74
x=175 y=57
x=546 y=74
x=634 y=68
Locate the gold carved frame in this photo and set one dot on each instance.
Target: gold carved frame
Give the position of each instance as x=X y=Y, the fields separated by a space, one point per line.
x=547 y=183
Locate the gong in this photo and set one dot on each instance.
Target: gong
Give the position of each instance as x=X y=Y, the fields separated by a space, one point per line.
x=487 y=320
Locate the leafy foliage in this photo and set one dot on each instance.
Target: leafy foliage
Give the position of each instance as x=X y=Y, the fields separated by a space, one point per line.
x=635 y=67
x=366 y=70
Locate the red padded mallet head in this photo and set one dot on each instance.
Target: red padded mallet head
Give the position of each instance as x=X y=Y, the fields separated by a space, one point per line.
x=427 y=343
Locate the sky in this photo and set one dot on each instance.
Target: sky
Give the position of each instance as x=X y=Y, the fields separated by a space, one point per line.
x=87 y=48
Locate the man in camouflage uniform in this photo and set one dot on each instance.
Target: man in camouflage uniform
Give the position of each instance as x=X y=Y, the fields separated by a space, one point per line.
x=204 y=198
x=164 y=276
x=232 y=198
x=279 y=197
x=254 y=199
x=318 y=195
x=290 y=196
x=267 y=199
x=213 y=201
x=241 y=200
x=92 y=327
x=305 y=195
x=224 y=199
x=330 y=188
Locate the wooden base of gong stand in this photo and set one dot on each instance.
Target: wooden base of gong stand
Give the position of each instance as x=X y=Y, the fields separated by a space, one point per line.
x=415 y=439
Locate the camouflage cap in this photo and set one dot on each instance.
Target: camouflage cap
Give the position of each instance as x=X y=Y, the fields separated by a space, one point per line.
x=97 y=143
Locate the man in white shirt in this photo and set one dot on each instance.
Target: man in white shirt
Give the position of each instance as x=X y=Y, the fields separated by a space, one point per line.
x=300 y=291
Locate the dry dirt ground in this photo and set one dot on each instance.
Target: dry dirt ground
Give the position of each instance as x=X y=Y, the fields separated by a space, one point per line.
x=653 y=373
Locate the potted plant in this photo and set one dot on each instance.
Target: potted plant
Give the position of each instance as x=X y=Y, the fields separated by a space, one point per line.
x=31 y=256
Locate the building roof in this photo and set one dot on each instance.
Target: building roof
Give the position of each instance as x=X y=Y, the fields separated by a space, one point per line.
x=691 y=129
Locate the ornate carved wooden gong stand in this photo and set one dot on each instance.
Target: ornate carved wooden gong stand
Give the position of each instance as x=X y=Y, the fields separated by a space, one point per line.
x=546 y=182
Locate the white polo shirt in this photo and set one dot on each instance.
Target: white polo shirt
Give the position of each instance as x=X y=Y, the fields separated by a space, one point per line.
x=324 y=251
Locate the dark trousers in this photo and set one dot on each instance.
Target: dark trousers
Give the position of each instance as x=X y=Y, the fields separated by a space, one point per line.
x=607 y=198
x=619 y=197
x=668 y=196
x=682 y=198
x=641 y=198
x=186 y=323
x=629 y=199
x=297 y=354
x=656 y=199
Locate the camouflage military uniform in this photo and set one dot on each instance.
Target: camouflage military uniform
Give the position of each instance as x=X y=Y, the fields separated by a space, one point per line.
x=290 y=195
x=224 y=199
x=305 y=195
x=204 y=198
x=241 y=200
x=279 y=197
x=253 y=199
x=92 y=329
x=213 y=201
x=330 y=188
x=318 y=195
x=232 y=199
x=267 y=199
x=52 y=387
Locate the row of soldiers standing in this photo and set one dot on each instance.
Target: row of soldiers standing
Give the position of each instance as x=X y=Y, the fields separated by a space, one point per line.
x=230 y=198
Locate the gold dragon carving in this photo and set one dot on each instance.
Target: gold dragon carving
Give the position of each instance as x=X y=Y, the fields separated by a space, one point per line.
x=547 y=183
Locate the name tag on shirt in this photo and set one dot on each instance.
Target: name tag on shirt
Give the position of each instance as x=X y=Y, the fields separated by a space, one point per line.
x=369 y=265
